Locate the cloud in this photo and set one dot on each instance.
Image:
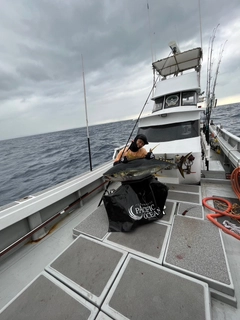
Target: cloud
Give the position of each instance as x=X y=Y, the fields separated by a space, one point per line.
x=42 y=44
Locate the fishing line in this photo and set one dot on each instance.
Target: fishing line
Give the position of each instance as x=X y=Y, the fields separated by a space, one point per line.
x=154 y=84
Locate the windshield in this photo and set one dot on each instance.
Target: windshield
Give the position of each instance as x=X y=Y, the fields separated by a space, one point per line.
x=175 y=131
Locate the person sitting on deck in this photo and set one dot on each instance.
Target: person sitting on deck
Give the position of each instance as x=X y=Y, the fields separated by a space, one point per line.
x=134 y=151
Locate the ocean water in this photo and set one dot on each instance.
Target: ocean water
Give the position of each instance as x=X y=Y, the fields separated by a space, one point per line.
x=228 y=116
x=34 y=163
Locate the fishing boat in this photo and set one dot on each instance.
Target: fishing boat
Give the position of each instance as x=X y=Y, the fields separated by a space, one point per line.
x=59 y=260
x=173 y=127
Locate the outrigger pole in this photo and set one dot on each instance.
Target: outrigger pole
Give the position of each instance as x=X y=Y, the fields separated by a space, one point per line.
x=85 y=101
x=210 y=90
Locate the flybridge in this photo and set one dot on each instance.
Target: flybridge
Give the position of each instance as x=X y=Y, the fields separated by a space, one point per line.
x=179 y=62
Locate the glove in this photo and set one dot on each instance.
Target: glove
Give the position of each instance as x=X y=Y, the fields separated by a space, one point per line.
x=124 y=160
x=150 y=155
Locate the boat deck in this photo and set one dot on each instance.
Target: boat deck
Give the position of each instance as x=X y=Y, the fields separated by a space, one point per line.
x=181 y=267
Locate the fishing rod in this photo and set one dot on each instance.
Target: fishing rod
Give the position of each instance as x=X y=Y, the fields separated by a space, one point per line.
x=209 y=94
x=154 y=84
x=85 y=102
x=140 y=113
x=218 y=65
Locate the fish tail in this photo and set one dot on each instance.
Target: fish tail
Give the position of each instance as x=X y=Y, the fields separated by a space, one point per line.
x=181 y=162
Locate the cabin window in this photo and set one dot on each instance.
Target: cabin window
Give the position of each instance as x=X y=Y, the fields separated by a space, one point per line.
x=169 y=132
x=189 y=98
x=172 y=100
x=158 y=104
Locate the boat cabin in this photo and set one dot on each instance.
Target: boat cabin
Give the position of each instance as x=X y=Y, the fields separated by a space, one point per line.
x=173 y=127
x=179 y=84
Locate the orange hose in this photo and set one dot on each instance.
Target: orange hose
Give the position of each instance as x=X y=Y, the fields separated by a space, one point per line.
x=204 y=202
x=235 y=181
x=220 y=213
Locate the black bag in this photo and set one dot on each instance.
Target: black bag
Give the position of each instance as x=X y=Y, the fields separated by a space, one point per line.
x=135 y=203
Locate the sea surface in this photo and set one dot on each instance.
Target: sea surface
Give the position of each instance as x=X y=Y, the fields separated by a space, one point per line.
x=34 y=163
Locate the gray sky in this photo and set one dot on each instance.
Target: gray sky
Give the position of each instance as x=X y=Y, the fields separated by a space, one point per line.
x=41 y=42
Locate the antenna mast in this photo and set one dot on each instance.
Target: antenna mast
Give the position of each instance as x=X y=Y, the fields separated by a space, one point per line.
x=200 y=21
x=150 y=31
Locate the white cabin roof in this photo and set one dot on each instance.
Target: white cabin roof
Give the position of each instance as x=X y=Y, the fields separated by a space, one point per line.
x=185 y=82
x=179 y=62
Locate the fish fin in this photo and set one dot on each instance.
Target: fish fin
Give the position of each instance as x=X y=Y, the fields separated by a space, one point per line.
x=151 y=150
x=181 y=162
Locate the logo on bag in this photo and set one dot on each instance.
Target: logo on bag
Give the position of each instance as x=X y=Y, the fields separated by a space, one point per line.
x=135 y=212
x=146 y=211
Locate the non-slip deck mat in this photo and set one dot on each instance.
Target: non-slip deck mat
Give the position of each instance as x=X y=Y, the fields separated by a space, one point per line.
x=190 y=210
x=184 y=196
x=195 y=248
x=169 y=212
x=148 y=240
x=144 y=290
x=47 y=298
x=88 y=267
x=95 y=225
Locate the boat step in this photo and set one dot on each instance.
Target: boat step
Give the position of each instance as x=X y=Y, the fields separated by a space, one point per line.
x=216 y=170
x=215 y=165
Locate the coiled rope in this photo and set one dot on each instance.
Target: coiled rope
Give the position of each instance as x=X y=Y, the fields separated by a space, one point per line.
x=227 y=210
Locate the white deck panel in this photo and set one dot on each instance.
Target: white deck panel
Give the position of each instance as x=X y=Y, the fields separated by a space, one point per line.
x=195 y=248
x=144 y=290
x=148 y=241
x=88 y=267
x=47 y=298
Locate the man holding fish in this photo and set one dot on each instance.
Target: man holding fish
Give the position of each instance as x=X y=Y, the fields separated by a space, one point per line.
x=134 y=151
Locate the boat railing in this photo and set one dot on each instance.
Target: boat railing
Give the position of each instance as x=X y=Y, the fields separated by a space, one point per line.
x=229 y=143
x=37 y=202
x=233 y=140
